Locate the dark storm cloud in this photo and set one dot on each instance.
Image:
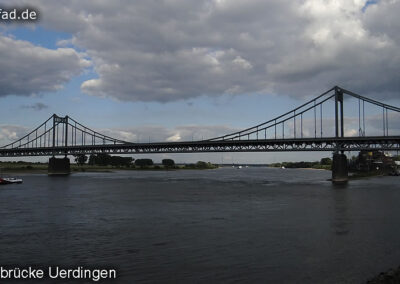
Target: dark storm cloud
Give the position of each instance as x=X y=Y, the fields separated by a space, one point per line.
x=181 y=49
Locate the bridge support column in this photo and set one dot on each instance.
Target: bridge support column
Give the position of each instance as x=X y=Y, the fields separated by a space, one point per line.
x=59 y=166
x=340 y=172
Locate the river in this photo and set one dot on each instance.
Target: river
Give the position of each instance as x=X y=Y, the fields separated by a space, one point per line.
x=249 y=225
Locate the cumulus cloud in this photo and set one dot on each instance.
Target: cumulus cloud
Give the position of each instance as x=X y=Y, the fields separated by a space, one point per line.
x=153 y=133
x=11 y=133
x=181 y=49
x=29 y=69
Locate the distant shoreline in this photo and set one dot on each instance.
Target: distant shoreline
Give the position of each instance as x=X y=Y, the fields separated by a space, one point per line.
x=42 y=168
x=316 y=169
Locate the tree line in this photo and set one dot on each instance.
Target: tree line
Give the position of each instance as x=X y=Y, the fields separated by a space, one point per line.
x=118 y=161
x=103 y=160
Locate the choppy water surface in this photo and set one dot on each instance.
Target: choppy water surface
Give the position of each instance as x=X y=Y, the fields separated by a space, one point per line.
x=254 y=225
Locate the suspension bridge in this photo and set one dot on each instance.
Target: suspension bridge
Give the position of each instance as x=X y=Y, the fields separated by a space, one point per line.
x=304 y=128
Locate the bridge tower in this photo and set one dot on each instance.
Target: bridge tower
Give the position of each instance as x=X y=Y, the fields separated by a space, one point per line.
x=339 y=165
x=59 y=166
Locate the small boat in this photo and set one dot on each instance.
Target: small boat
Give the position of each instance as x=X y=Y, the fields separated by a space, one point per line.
x=10 y=180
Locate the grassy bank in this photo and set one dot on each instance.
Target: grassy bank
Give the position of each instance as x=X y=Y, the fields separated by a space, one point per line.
x=22 y=167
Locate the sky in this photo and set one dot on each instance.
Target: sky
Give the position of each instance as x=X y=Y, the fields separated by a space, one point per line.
x=176 y=70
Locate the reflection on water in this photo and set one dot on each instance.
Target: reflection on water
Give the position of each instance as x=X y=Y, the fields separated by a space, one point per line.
x=226 y=225
x=342 y=219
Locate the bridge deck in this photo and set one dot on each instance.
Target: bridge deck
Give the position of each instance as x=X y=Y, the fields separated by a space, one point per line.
x=385 y=143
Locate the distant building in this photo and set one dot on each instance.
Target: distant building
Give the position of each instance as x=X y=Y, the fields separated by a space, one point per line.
x=368 y=161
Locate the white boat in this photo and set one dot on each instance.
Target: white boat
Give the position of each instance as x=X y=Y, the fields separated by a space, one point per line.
x=10 y=180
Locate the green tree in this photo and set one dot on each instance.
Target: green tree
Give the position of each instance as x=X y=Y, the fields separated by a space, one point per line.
x=80 y=159
x=204 y=165
x=92 y=160
x=119 y=161
x=100 y=159
x=168 y=163
x=326 y=161
x=106 y=160
x=144 y=162
x=201 y=165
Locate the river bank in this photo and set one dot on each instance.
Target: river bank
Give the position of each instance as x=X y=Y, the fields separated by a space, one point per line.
x=41 y=168
x=301 y=165
x=388 y=277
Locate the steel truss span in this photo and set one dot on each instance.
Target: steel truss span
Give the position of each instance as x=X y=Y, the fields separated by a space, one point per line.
x=287 y=132
x=306 y=144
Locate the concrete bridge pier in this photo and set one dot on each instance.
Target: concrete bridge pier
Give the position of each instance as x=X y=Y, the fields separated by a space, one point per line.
x=59 y=166
x=340 y=171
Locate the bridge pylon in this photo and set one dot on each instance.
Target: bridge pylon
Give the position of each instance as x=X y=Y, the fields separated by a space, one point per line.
x=59 y=166
x=340 y=171
x=339 y=129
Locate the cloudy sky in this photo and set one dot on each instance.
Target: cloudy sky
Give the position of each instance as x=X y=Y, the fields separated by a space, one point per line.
x=174 y=70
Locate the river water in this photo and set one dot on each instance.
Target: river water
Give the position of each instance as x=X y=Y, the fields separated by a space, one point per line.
x=253 y=225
